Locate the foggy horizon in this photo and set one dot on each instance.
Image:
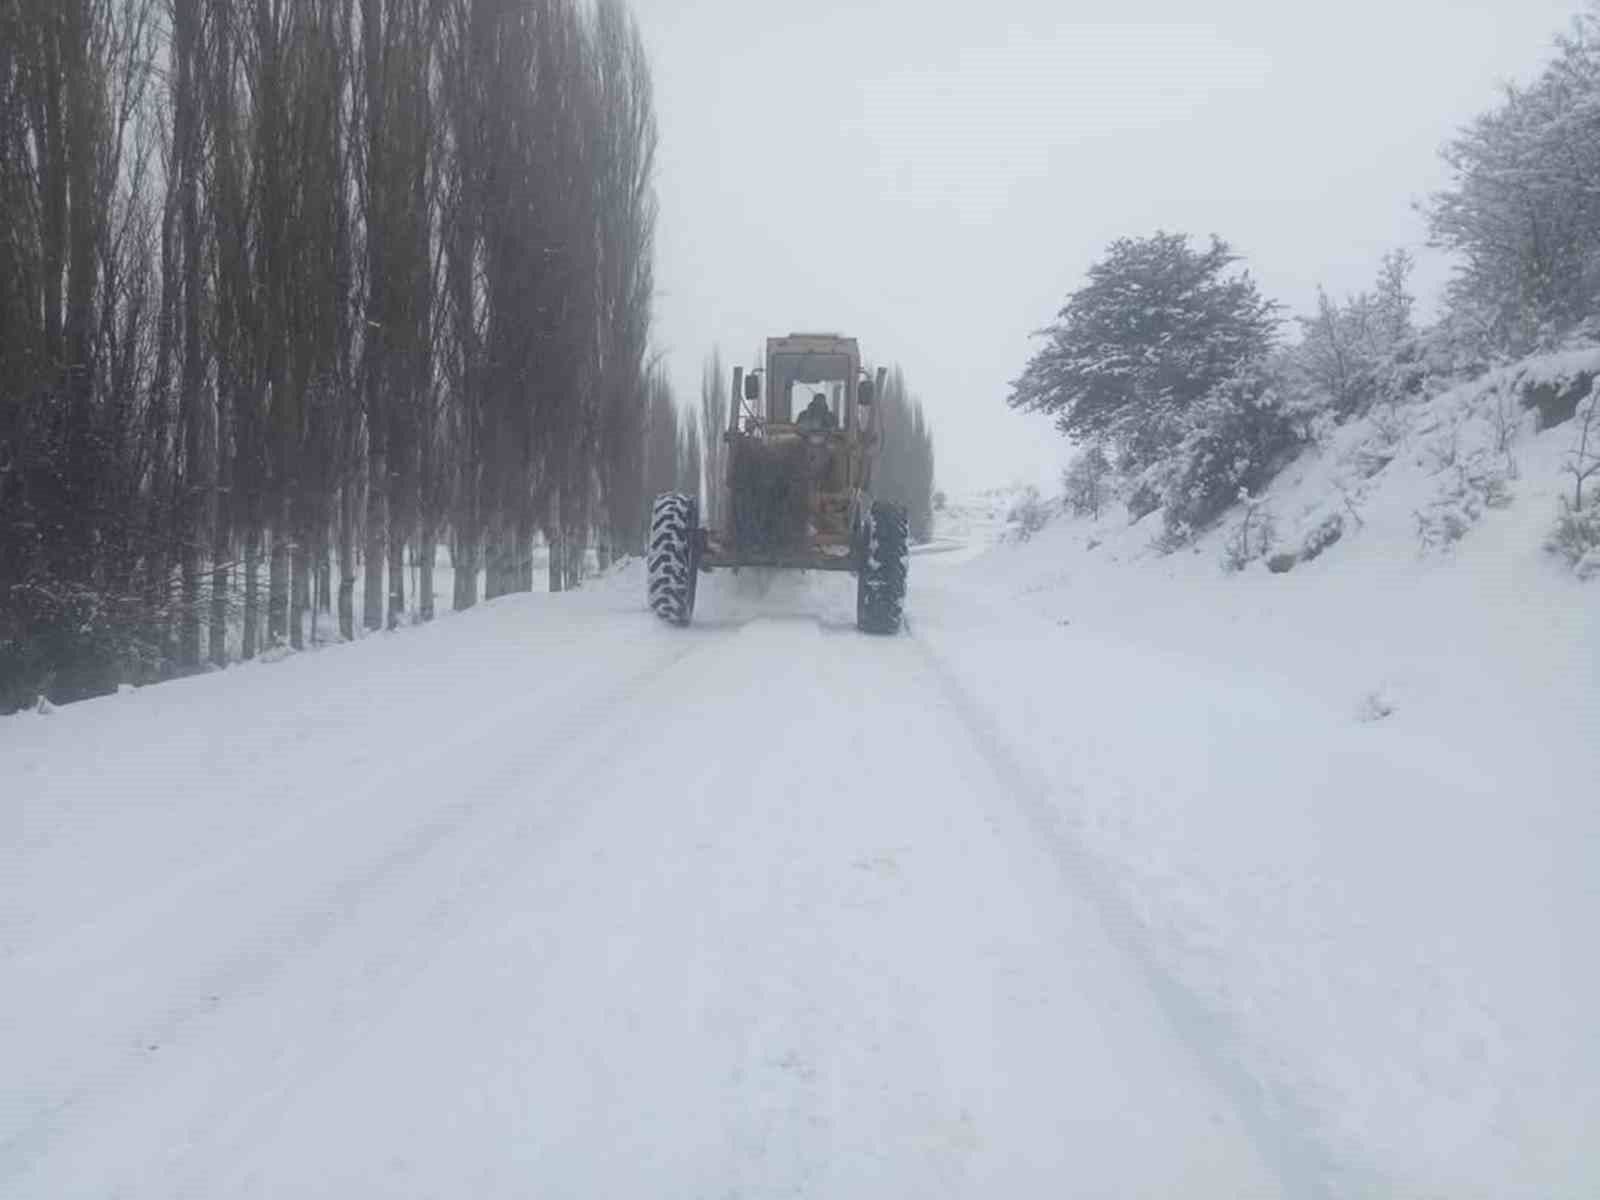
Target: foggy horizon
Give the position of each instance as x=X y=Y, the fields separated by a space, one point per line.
x=982 y=165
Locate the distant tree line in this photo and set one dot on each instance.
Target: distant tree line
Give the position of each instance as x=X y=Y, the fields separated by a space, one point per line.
x=904 y=474
x=1169 y=370
x=1522 y=215
x=292 y=289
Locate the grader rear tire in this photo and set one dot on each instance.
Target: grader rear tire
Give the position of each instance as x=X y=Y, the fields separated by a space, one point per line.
x=885 y=551
x=671 y=558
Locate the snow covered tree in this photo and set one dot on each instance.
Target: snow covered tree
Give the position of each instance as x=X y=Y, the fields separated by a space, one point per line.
x=1393 y=300
x=1159 y=326
x=1235 y=440
x=1521 y=213
x=1347 y=352
x=1576 y=536
x=1085 y=481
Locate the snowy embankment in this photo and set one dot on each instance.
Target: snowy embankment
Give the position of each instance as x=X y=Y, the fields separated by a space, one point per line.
x=1352 y=810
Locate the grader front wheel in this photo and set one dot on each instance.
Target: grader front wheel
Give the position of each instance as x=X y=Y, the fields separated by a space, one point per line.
x=670 y=560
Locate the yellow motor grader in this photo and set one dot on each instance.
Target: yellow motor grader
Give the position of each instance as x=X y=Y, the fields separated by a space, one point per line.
x=803 y=440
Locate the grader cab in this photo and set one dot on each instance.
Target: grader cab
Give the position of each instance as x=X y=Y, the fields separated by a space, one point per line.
x=803 y=440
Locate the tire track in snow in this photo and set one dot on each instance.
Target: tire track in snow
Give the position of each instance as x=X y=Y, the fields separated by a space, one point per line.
x=831 y=1012
x=852 y=1039
x=134 y=914
x=875 y=1005
x=1282 y=1138
x=248 y=976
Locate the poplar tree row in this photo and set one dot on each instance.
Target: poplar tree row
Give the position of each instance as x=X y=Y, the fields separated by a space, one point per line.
x=292 y=294
x=905 y=473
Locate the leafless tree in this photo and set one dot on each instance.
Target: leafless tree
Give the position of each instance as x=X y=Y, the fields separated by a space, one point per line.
x=713 y=437
x=285 y=277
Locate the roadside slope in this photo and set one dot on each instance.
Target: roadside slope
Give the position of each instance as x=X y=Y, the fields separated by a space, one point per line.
x=1349 y=808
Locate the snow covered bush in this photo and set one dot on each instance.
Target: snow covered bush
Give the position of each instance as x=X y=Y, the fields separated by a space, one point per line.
x=1322 y=536
x=1028 y=514
x=1576 y=537
x=1389 y=427
x=1504 y=414
x=1584 y=460
x=1252 y=538
x=1238 y=437
x=1374 y=706
x=1472 y=489
x=68 y=640
x=1352 y=355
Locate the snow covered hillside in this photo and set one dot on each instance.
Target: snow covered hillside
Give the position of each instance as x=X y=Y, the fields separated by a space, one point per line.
x=1351 y=806
x=1118 y=874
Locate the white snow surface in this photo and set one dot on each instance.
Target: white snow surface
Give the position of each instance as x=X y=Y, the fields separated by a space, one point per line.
x=1116 y=875
x=1352 y=810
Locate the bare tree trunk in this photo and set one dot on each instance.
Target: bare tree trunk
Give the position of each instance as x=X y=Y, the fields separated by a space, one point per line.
x=556 y=574
x=555 y=569
x=399 y=519
x=252 y=589
x=428 y=551
x=347 y=563
x=278 y=583
x=228 y=337
x=574 y=558
x=372 y=595
x=187 y=152
x=189 y=617
x=574 y=541
x=466 y=561
x=397 y=577
x=317 y=584
x=220 y=581
x=496 y=546
x=300 y=593
x=521 y=559
x=222 y=516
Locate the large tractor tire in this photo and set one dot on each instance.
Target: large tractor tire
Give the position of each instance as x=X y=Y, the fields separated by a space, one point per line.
x=673 y=559
x=885 y=550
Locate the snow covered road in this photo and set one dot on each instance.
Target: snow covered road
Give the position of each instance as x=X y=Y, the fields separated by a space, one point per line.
x=547 y=900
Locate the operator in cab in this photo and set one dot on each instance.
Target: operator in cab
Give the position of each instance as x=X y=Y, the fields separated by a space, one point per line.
x=817 y=414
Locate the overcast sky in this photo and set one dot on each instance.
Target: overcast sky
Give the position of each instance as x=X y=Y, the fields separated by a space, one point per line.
x=935 y=178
